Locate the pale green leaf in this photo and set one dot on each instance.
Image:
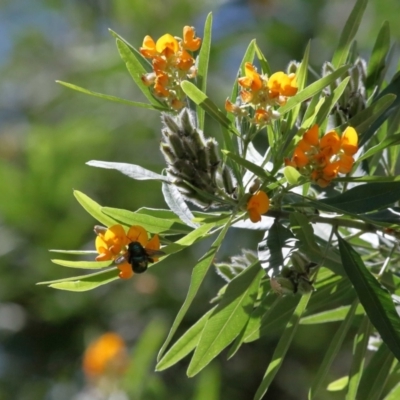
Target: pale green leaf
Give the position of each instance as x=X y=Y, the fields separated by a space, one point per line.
x=83 y=264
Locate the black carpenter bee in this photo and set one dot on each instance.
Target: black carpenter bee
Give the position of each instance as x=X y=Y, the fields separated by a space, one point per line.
x=139 y=257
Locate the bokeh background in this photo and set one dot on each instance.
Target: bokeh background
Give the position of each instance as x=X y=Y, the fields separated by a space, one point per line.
x=48 y=132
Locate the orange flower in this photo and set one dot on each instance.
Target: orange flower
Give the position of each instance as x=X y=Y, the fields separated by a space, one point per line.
x=323 y=159
x=257 y=205
x=112 y=244
x=105 y=356
x=281 y=84
x=189 y=41
x=252 y=80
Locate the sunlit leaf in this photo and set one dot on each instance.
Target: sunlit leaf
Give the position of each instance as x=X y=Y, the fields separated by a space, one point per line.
x=113 y=98
x=151 y=224
x=198 y=274
x=185 y=344
x=94 y=209
x=202 y=68
x=228 y=319
x=83 y=264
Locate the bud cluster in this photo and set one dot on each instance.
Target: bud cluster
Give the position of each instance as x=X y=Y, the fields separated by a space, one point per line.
x=194 y=162
x=354 y=98
x=296 y=278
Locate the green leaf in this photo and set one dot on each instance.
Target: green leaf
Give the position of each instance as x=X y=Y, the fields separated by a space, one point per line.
x=338 y=385
x=292 y=175
x=83 y=264
x=329 y=103
x=208 y=384
x=113 y=98
x=282 y=347
x=200 y=233
x=202 y=69
x=185 y=344
x=389 y=141
x=375 y=299
x=312 y=89
x=348 y=33
x=379 y=195
x=367 y=121
x=202 y=100
x=84 y=282
x=94 y=209
x=265 y=68
x=376 y=374
x=198 y=274
x=133 y=171
x=337 y=314
x=394 y=394
x=377 y=62
x=75 y=252
x=301 y=79
x=144 y=354
x=228 y=319
x=136 y=70
x=386 y=96
x=177 y=204
x=273 y=320
x=359 y=351
x=332 y=351
x=151 y=224
x=255 y=169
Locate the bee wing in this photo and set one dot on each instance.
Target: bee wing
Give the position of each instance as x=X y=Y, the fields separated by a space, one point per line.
x=154 y=253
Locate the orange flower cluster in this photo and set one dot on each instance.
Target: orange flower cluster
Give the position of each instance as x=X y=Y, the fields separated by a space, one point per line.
x=112 y=244
x=172 y=62
x=263 y=93
x=105 y=356
x=323 y=159
x=257 y=205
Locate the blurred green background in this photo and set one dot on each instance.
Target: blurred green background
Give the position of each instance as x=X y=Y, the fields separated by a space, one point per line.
x=48 y=132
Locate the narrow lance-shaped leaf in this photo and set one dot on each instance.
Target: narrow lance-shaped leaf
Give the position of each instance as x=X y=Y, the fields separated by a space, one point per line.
x=84 y=282
x=282 y=347
x=348 y=33
x=376 y=374
x=198 y=274
x=228 y=319
x=312 y=89
x=332 y=351
x=94 y=209
x=113 y=98
x=360 y=345
x=177 y=204
x=377 y=62
x=151 y=224
x=375 y=299
x=202 y=70
x=135 y=69
x=133 y=171
x=202 y=100
x=185 y=344
x=83 y=264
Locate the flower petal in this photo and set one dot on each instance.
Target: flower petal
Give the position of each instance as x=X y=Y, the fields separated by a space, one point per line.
x=137 y=233
x=125 y=270
x=350 y=141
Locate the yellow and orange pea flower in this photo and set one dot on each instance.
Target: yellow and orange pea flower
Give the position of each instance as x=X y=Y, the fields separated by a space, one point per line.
x=105 y=356
x=323 y=159
x=263 y=92
x=170 y=58
x=257 y=205
x=112 y=243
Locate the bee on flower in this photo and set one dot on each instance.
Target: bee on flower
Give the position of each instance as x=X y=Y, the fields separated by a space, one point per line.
x=131 y=251
x=323 y=159
x=172 y=61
